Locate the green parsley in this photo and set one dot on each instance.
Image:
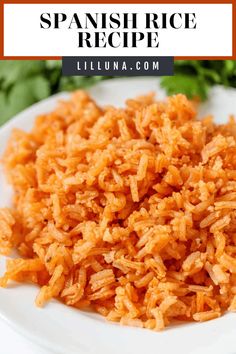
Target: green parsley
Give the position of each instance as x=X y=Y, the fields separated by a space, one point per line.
x=23 y=83
x=194 y=78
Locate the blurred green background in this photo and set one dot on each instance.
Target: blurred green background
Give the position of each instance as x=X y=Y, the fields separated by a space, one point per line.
x=23 y=83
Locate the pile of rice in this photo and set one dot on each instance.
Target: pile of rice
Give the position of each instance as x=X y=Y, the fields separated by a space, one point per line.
x=130 y=212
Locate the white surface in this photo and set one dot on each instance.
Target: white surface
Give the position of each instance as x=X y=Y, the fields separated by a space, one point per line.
x=13 y=343
x=212 y=36
x=61 y=329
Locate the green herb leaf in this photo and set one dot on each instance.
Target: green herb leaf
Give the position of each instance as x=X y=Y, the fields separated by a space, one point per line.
x=23 y=83
x=191 y=86
x=23 y=94
x=12 y=71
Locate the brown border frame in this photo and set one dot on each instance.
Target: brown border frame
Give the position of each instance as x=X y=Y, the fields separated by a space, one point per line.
x=1 y=29
x=2 y=2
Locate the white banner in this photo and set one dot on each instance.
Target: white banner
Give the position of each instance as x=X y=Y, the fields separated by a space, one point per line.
x=118 y=30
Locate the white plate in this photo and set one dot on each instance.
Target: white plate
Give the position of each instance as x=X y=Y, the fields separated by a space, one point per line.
x=65 y=330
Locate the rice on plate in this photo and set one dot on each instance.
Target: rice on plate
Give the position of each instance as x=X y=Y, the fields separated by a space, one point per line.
x=130 y=212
